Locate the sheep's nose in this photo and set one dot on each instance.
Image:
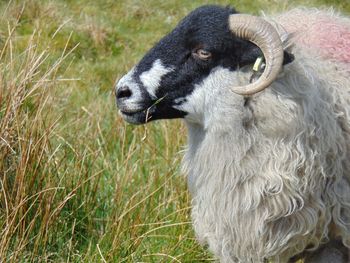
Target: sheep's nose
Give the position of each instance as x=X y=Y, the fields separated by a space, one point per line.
x=123 y=92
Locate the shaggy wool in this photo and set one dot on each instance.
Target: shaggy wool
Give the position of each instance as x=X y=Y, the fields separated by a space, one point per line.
x=272 y=177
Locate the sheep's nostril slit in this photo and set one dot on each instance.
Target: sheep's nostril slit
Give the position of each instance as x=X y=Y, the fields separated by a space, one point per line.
x=123 y=92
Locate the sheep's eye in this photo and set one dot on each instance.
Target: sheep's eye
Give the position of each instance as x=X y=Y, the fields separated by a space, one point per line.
x=202 y=54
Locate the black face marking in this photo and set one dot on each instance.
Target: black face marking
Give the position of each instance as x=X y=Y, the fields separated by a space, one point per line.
x=205 y=28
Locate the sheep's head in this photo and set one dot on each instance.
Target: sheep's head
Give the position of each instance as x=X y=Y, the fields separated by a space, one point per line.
x=197 y=61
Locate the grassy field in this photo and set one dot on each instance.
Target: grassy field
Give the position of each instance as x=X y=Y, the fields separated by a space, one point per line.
x=77 y=184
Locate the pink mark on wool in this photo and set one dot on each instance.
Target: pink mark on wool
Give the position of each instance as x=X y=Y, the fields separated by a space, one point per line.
x=333 y=40
x=325 y=35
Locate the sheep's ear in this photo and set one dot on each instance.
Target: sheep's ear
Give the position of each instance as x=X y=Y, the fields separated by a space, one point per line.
x=288 y=58
x=231 y=9
x=252 y=52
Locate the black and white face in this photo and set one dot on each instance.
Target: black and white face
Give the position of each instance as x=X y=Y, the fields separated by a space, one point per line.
x=167 y=81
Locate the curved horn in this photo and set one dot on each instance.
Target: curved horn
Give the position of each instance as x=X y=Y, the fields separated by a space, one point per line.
x=262 y=34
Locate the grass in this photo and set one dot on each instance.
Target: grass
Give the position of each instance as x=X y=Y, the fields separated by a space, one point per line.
x=77 y=184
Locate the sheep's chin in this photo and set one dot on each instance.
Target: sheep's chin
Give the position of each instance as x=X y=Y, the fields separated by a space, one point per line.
x=135 y=118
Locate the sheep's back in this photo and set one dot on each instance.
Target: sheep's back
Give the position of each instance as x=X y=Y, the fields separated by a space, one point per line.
x=323 y=33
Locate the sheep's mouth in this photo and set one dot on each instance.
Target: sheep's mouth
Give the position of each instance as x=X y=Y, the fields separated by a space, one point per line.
x=144 y=110
x=129 y=112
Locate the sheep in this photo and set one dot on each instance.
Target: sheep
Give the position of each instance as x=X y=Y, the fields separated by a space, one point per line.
x=267 y=162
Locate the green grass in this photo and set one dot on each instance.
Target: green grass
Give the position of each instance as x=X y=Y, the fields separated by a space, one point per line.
x=77 y=184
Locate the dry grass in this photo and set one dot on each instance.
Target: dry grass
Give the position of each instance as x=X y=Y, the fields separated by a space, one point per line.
x=29 y=197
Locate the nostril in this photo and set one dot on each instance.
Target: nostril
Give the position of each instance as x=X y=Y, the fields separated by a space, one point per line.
x=124 y=92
